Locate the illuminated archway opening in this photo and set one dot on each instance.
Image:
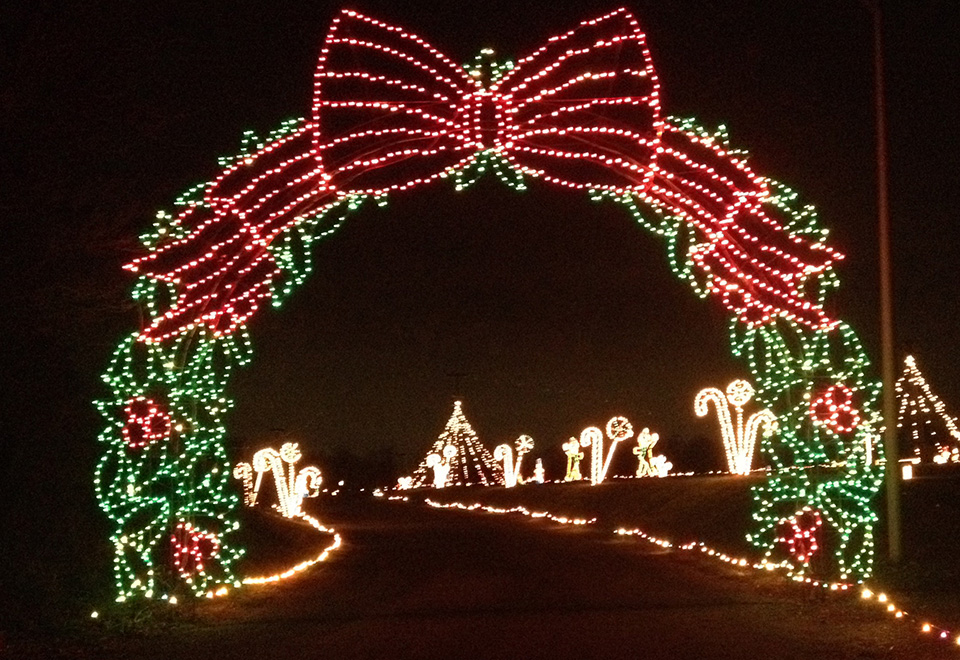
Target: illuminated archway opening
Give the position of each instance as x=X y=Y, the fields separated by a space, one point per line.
x=392 y=113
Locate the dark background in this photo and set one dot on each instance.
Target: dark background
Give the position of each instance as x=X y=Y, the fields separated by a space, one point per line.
x=560 y=312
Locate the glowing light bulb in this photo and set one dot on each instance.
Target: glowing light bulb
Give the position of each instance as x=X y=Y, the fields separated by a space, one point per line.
x=393 y=113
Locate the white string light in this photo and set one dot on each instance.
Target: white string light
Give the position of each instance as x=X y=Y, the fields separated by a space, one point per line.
x=292 y=486
x=866 y=593
x=504 y=453
x=739 y=440
x=471 y=463
x=918 y=406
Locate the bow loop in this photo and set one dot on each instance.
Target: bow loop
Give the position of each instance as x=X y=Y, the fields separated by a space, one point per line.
x=388 y=107
x=391 y=112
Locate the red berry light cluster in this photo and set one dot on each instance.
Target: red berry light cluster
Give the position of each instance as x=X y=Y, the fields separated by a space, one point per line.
x=801 y=534
x=145 y=423
x=191 y=548
x=835 y=409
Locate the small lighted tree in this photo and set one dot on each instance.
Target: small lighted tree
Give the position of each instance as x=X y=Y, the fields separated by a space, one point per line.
x=933 y=432
x=471 y=463
x=739 y=439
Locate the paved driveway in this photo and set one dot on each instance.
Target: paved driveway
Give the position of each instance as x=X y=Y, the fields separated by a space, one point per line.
x=413 y=582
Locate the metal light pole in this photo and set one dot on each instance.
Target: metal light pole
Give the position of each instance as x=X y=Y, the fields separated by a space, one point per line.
x=887 y=356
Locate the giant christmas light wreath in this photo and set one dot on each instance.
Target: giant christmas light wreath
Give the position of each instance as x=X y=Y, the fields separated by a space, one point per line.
x=391 y=113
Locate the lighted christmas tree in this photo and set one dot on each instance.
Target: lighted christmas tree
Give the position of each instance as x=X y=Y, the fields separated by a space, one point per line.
x=472 y=464
x=931 y=433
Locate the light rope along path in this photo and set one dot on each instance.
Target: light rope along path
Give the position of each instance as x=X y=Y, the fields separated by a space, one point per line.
x=866 y=593
x=304 y=565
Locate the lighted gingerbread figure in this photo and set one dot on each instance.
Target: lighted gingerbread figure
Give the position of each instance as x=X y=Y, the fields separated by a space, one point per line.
x=644 y=452
x=572 y=449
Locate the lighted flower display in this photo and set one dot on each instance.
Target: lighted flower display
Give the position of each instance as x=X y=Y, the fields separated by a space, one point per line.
x=800 y=534
x=146 y=423
x=835 y=408
x=192 y=548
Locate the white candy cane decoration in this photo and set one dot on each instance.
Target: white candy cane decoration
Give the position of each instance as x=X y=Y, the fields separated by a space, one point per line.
x=441 y=467
x=504 y=453
x=593 y=437
x=291 y=486
x=738 y=440
x=618 y=429
x=244 y=472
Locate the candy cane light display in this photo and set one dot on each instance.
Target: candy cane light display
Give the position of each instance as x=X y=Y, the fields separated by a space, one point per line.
x=511 y=468
x=391 y=113
x=292 y=485
x=739 y=438
x=618 y=428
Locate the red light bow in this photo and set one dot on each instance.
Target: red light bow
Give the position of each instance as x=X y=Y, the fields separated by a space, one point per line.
x=391 y=112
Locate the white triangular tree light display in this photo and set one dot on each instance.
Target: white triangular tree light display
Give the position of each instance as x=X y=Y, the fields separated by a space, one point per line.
x=932 y=434
x=471 y=464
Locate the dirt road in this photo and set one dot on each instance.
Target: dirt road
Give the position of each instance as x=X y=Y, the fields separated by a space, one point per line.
x=412 y=582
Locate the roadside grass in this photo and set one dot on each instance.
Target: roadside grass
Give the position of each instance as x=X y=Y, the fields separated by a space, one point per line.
x=48 y=595
x=716 y=510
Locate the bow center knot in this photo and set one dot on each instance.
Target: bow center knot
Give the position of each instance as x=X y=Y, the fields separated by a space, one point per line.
x=483 y=116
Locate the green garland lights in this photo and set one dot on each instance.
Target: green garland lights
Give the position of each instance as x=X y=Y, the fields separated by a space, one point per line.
x=164 y=477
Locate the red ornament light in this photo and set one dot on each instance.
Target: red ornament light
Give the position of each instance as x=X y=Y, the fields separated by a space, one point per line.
x=391 y=112
x=191 y=548
x=801 y=534
x=145 y=423
x=835 y=409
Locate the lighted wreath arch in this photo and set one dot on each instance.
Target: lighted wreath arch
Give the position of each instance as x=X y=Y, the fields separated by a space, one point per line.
x=391 y=112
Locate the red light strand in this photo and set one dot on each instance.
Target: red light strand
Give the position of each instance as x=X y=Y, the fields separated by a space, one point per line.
x=391 y=112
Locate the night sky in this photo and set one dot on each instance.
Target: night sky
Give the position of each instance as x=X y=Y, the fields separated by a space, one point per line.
x=560 y=312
